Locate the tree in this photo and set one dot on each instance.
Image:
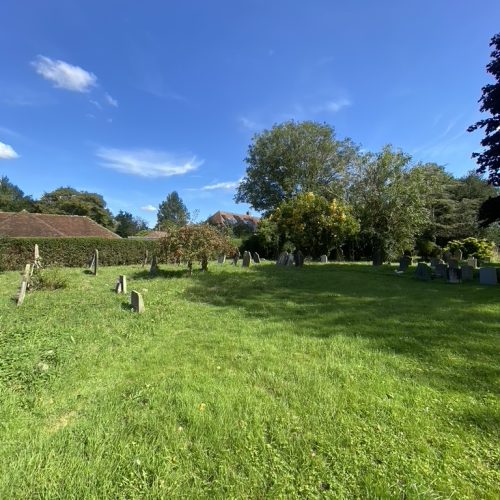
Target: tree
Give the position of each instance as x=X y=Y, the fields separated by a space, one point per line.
x=294 y=158
x=128 y=225
x=390 y=203
x=313 y=224
x=12 y=198
x=489 y=211
x=69 y=201
x=172 y=211
x=489 y=158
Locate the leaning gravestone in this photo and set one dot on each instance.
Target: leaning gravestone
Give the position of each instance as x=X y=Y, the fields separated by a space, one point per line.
x=153 y=271
x=136 y=302
x=25 y=280
x=404 y=262
x=256 y=258
x=472 y=261
x=145 y=260
x=488 y=276
x=441 y=270
x=246 y=259
x=121 y=284
x=282 y=259
x=298 y=258
x=423 y=272
x=458 y=254
x=324 y=259
x=467 y=273
x=95 y=262
x=221 y=259
x=454 y=275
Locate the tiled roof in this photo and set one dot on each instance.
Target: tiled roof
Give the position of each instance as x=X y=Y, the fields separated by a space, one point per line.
x=224 y=218
x=27 y=225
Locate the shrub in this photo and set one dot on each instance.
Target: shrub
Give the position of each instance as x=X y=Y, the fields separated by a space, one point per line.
x=427 y=249
x=471 y=247
x=49 y=279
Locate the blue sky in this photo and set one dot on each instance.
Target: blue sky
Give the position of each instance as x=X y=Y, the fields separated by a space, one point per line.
x=136 y=99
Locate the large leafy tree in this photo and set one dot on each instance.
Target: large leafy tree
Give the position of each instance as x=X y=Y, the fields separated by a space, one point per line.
x=12 y=198
x=69 y=201
x=489 y=159
x=390 y=203
x=172 y=211
x=314 y=224
x=128 y=225
x=294 y=158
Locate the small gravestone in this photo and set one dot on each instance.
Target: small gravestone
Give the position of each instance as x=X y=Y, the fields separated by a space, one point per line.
x=290 y=260
x=95 y=262
x=423 y=272
x=467 y=273
x=22 y=293
x=472 y=261
x=37 y=263
x=146 y=256
x=153 y=271
x=221 y=259
x=404 y=262
x=121 y=284
x=454 y=275
x=256 y=258
x=441 y=270
x=246 y=259
x=236 y=257
x=447 y=256
x=298 y=258
x=324 y=259
x=488 y=276
x=282 y=259
x=458 y=254
x=136 y=302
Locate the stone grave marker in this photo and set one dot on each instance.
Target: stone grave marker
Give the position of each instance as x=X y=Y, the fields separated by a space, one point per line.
x=423 y=272
x=324 y=259
x=236 y=257
x=256 y=258
x=121 y=284
x=153 y=271
x=146 y=256
x=472 y=261
x=441 y=270
x=246 y=259
x=458 y=254
x=282 y=259
x=25 y=280
x=488 y=276
x=290 y=260
x=221 y=259
x=454 y=275
x=447 y=256
x=404 y=262
x=298 y=258
x=467 y=273
x=136 y=302
x=95 y=262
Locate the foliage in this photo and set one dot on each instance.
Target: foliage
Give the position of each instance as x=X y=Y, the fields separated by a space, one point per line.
x=69 y=201
x=313 y=224
x=427 y=249
x=294 y=158
x=242 y=230
x=72 y=252
x=172 y=211
x=389 y=200
x=195 y=242
x=52 y=278
x=489 y=211
x=489 y=159
x=471 y=247
x=265 y=241
x=12 y=198
x=128 y=225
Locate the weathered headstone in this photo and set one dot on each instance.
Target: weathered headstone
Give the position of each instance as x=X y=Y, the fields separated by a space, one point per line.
x=136 y=302
x=423 y=272
x=441 y=271
x=22 y=292
x=488 y=276
x=467 y=273
x=145 y=260
x=457 y=254
x=298 y=258
x=95 y=262
x=256 y=258
x=236 y=257
x=282 y=259
x=246 y=259
x=324 y=259
x=221 y=259
x=454 y=275
x=121 y=284
x=472 y=261
x=153 y=271
x=290 y=260
x=404 y=262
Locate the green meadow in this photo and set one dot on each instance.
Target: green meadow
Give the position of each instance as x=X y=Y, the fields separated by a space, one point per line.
x=332 y=381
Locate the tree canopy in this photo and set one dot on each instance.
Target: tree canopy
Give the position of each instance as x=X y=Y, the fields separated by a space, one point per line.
x=294 y=158
x=489 y=159
x=128 y=225
x=172 y=211
x=12 y=198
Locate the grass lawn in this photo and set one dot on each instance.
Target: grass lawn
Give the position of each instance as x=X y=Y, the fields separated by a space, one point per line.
x=336 y=381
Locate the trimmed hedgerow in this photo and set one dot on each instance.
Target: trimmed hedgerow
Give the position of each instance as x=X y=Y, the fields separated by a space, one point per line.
x=72 y=252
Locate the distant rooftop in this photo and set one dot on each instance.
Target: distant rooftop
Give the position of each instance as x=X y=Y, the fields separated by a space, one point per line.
x=229 y=219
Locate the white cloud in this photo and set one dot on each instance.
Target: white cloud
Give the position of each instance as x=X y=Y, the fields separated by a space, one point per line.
x=64 y=75
x=249 y=124
x=147 y=163
x=332 y=106
x=7 y=152
x=111 y=101
x=226 y=186
x=95 y=103
x=149 y=208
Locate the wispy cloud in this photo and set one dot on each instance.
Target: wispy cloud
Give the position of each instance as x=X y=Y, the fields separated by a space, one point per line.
x=110 y=100
x=149 y=208
x=64 y=75
x=225 y=186
x=146 y=162
x=7 y=152
x=249 y=124
x=331 y=106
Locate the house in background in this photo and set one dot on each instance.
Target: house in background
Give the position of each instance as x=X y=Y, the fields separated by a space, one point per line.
x=229 y=219
x=27 y=225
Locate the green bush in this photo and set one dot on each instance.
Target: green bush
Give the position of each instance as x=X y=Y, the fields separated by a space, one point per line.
x=49 y=279
x=472 y=247
x=15 y=253
x=427 y=249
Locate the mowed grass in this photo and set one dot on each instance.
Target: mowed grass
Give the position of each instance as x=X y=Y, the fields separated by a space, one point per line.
x=335 y=381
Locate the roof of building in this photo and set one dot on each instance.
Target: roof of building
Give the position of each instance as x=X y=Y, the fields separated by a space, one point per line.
x=223 y=218
x=27 y=225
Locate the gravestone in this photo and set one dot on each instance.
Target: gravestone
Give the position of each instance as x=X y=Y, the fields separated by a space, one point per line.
x=467 y=273
x=423 y=272
x=256 y=258
x=37 y=263
x=136 y=302
x=472 y=261
x=246 y=259
x=441 y=271
x=121 y=284
x=458 y=254
x=146 y=256
x=454 y=263
x=324 y=259
x=290 y=260
x=298 y=258
x=447 y=256
x=153 y=271
x=22 y=292
x=282 y=259
x=221 y=259
x=404 y=262
x=236 y=257
x=95 y=262
x=453 y=275
x=488 y=276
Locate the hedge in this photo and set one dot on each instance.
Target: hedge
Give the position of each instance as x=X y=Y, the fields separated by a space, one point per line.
x=15 y=253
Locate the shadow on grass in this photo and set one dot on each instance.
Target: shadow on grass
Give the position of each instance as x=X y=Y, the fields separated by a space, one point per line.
x=451 y=330
x=162 y=273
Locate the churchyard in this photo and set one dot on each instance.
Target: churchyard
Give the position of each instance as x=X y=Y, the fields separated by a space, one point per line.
x=263 y=381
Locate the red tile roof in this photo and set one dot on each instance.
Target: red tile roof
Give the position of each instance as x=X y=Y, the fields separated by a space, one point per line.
x=27 y=225
x=228 y=218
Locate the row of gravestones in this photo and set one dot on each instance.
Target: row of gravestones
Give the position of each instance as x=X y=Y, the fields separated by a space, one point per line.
x=136 y=300
x=455 y=273
x=291 y=259
x=246 y=261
